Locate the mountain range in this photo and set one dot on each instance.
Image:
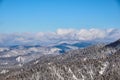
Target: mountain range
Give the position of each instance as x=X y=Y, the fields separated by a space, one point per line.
x=76 y=61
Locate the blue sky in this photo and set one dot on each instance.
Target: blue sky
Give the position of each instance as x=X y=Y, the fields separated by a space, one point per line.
x=49 y=15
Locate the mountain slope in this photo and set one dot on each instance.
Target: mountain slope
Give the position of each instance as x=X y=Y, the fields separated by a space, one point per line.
x=17 y=55
x=99 y=62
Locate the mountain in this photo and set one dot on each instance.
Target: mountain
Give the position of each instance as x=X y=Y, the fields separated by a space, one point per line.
x=67 y=46
x=17 y=55
x=115 y=44
x=96 y=62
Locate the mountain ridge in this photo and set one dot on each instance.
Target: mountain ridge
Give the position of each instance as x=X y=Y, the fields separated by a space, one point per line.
x=96 y=62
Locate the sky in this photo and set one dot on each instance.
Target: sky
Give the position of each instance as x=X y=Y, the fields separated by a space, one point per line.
x=50 y=15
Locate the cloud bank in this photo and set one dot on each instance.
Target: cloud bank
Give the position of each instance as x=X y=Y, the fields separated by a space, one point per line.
x=61 y=35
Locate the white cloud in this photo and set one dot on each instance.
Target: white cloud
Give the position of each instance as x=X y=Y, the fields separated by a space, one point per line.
x=91 y=34
x=60 y=35
x=65 y=31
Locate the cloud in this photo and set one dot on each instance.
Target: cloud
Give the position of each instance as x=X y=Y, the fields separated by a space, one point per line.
x=91 y=34
x=59 y=36
x=65 y=31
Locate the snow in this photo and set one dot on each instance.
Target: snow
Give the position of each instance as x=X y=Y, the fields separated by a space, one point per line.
x=83 y=77
x=20 y=65
x=74 y=77
x=85 y=59
x=54 y=50
x=7 y=55
x=20 y=59
x=2 y=49
x=91 y=73
x=49 y=63
x=72 y=47
x=36 y=62
x=5 y=63
x=56 y=72
x=103 y=68
x=4 y=71
x=113 y=65
x=34 y=49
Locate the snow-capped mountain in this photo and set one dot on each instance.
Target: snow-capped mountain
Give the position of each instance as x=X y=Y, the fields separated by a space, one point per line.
x=18 y=55
x=96 y=62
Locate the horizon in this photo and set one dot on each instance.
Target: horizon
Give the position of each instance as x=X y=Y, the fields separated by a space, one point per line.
x=60 y=35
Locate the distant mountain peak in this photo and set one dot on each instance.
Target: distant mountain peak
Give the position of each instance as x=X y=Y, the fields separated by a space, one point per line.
x=115 y=44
